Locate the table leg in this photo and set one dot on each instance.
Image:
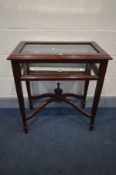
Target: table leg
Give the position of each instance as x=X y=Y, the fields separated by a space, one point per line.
x=99 y=85
x=86 y=84
x=18 y=86
x=29 y=94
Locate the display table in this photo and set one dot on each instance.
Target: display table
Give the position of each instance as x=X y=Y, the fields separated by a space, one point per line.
x=55 y=61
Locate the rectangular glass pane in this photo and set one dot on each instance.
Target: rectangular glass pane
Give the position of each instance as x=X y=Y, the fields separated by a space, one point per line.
x=60 y=49
x=52 y=67
x=58 y=67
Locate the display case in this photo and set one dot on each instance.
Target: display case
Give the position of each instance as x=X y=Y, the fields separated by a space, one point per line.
x=55 y=61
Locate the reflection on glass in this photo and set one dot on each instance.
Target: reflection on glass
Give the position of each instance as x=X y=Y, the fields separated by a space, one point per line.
x=59 y=67
x=58 y=49
x=53 y=67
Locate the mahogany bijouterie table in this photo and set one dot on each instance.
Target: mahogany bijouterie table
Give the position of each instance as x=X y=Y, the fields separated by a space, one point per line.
x=56 y=61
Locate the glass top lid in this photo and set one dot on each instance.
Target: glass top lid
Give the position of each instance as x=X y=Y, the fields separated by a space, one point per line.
x=38 y=48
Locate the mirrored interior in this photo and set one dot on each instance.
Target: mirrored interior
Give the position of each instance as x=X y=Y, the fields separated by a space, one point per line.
x=53 y=67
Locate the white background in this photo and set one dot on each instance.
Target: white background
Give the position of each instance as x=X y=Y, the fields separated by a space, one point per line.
x=64 y=20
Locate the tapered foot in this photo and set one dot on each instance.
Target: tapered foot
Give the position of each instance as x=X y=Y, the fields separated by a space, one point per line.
x=91 y=127
x=25 y=129
x=83 y=105
x=31 y=106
